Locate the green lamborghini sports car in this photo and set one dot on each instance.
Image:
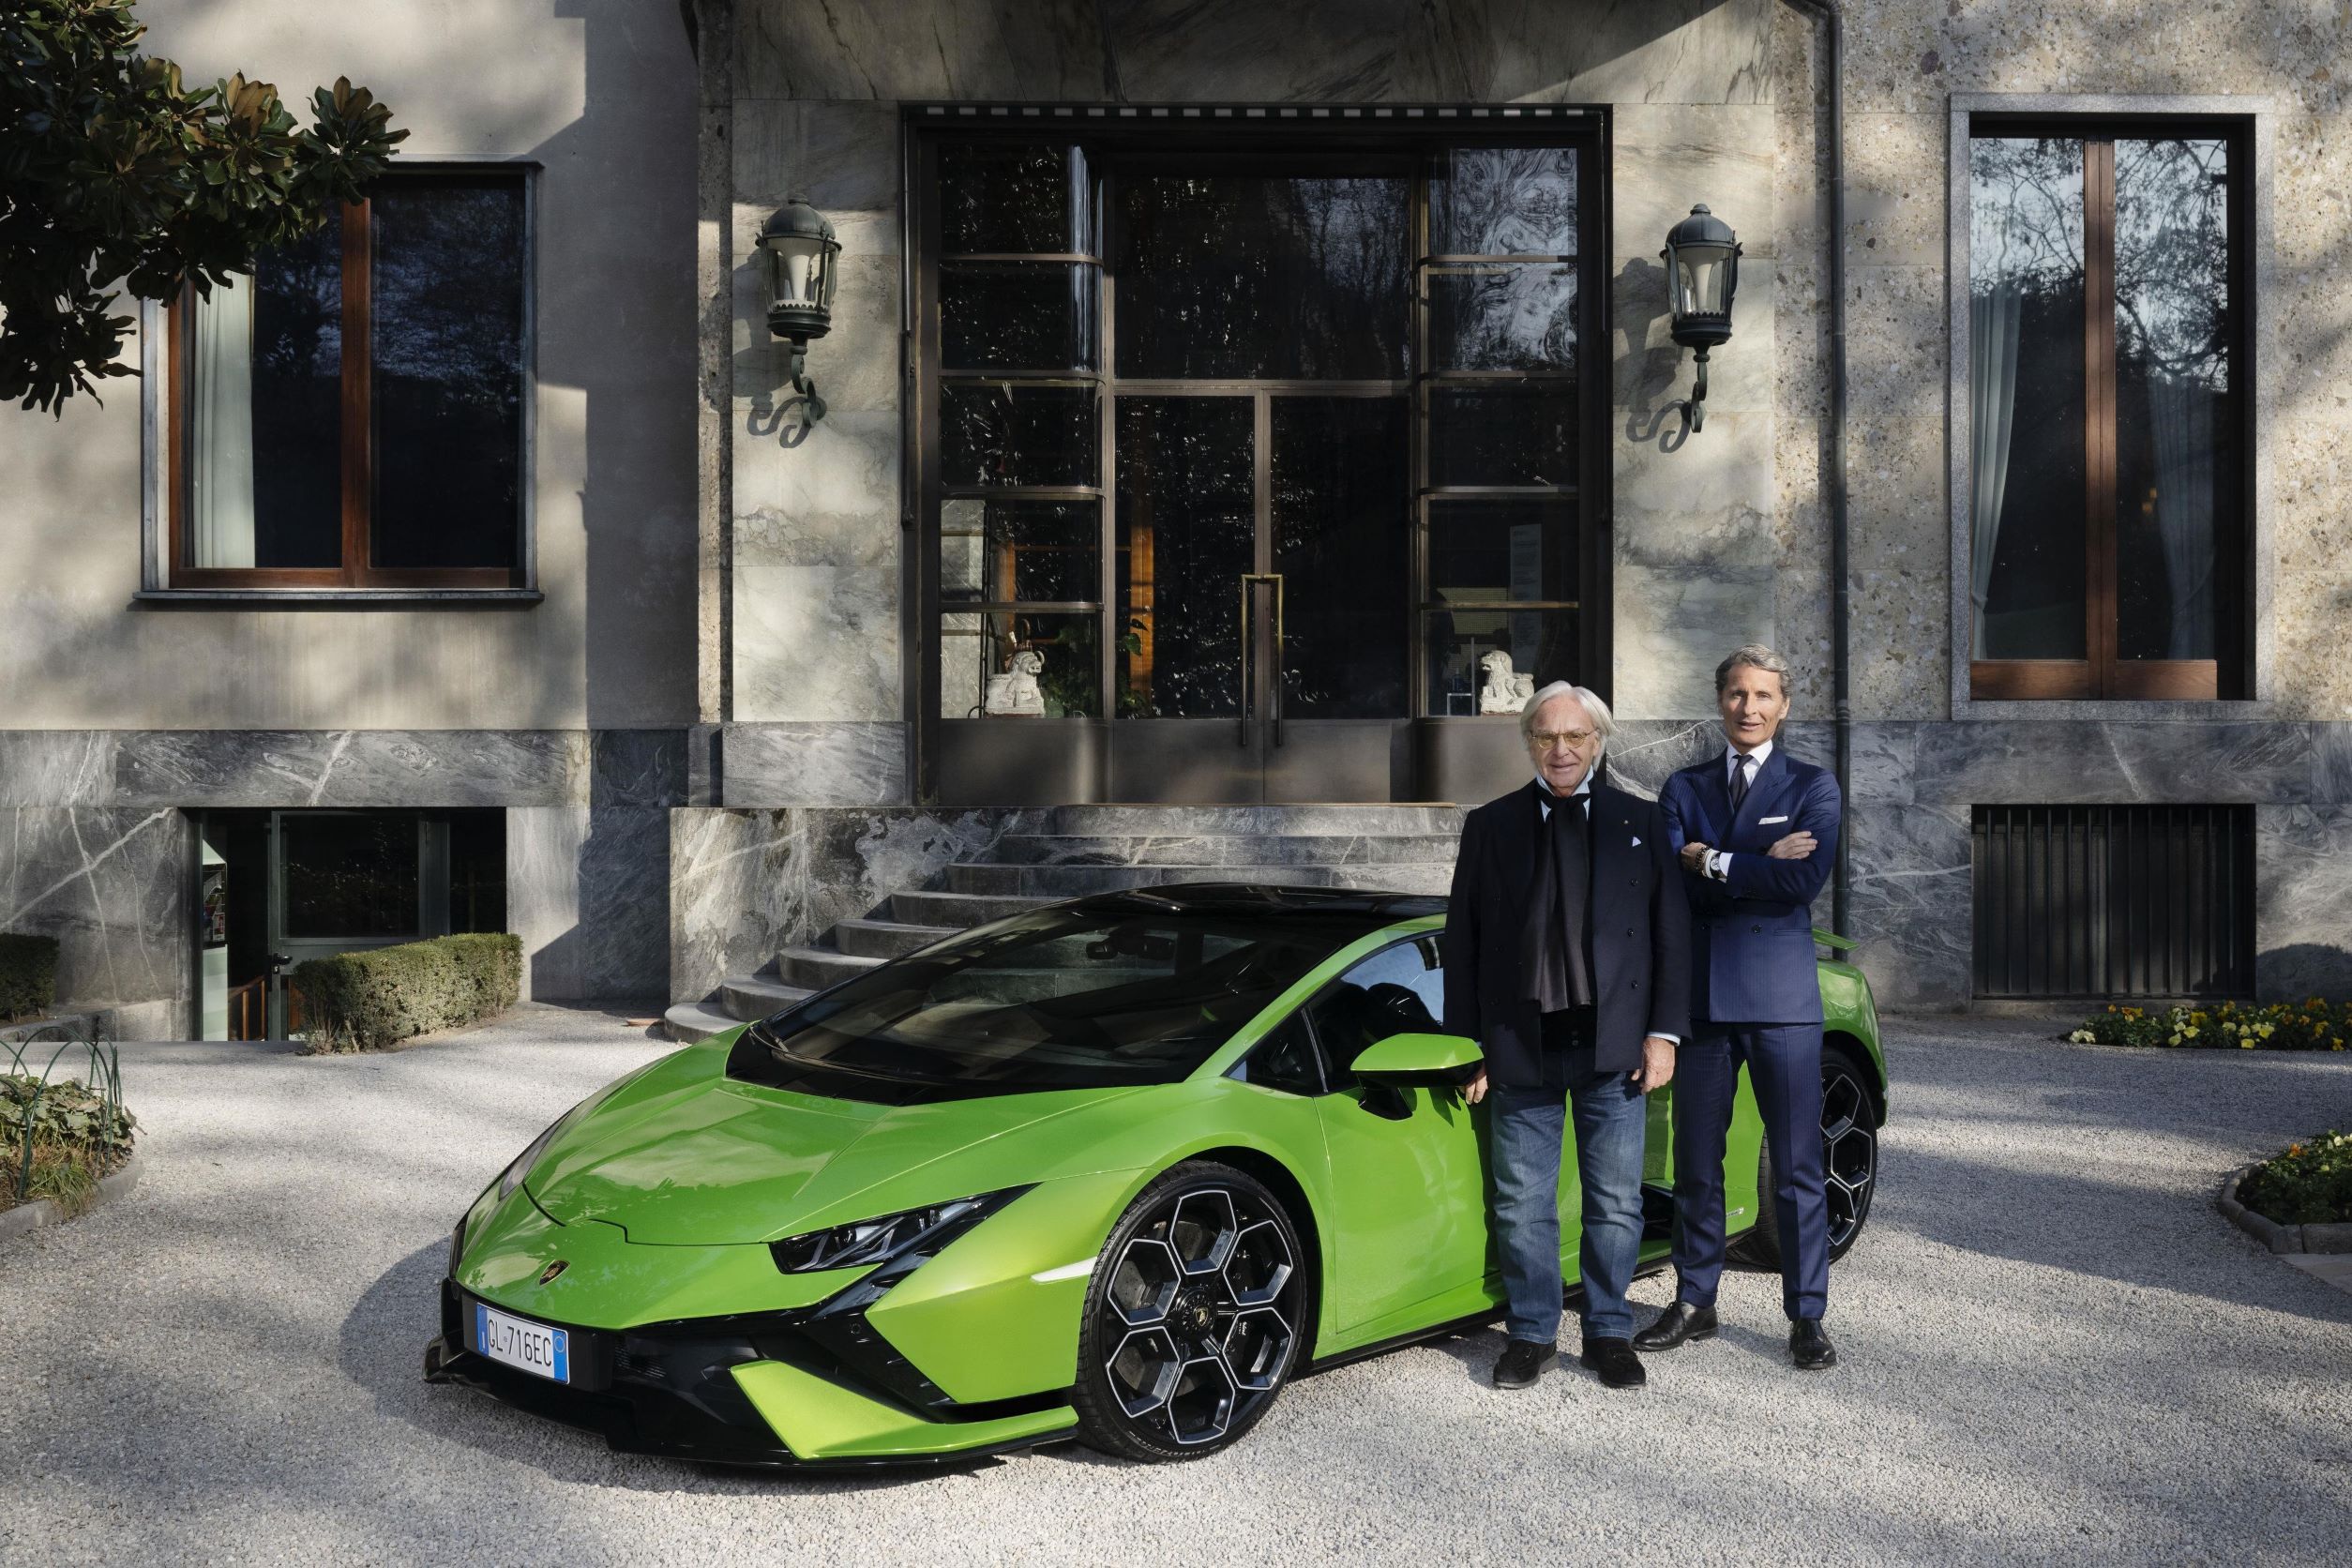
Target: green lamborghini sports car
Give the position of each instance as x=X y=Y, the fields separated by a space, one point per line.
x=1115 y=1169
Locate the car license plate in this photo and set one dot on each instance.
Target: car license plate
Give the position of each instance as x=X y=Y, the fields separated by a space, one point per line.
x=519 y=1342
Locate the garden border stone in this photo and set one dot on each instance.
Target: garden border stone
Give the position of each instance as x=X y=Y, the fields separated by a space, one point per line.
x=26 y=1217
x=2269 y=1232
x=2328 y=1238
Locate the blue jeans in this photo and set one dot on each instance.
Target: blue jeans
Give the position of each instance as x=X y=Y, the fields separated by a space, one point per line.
x=1527 y=1127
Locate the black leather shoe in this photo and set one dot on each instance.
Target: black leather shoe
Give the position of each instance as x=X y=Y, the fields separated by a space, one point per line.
x=1675 y=1324
x=1523 y=1361
x=1615 y=1361
x=1809 y=1346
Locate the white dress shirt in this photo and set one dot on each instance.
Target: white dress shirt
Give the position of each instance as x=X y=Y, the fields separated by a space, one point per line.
x=1719 y=863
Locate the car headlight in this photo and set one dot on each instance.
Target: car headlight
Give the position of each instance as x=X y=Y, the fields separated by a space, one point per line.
x=879 y=1241
x=511 y=1177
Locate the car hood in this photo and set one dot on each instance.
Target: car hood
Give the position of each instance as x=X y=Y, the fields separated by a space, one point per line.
x=714 y=1162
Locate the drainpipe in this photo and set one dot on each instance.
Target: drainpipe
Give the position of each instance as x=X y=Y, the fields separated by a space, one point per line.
x=1834 y=479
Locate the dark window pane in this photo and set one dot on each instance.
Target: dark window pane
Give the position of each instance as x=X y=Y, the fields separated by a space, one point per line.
x=1284 y=1060
x=998 y=551
x=1016 y=315
x=1505 y=435
x=1186 y=530
x=1481 y=552
x=350 y=875
x=1505 y=316
x=1262 y=276
x=1504 y=202
x=2026 y=397
x=2176 y=479
x=1014 y=433
x=1397 y=990
x=1342 y=524
x=1012 y=196
x=297 y=471
x=1017 y=665
x=477 y=870
x=1540 y=645
x=447 y=389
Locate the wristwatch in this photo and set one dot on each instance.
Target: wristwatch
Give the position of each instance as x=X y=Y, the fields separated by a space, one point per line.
x=1715 y=859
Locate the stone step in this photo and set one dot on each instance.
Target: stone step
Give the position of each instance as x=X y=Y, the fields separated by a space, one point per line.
x=961 y=910
x=1072 y=881
x=1226 y=849
x=1292 y=820
x=689 y=1021
x=885 y=939
x=746 y=997
x=819 y=966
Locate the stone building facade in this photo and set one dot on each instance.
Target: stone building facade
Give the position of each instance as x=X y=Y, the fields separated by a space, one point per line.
x=723 y=726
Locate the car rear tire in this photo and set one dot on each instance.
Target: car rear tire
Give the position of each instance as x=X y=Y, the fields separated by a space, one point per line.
x=1193 y=1319
x=1849 y=1146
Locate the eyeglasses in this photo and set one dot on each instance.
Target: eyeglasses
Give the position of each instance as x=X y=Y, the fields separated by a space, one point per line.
x=1543 y=740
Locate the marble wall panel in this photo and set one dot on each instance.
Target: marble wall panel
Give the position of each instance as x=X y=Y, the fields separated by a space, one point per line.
x=113 y=885
x=2303 y=902
x=842 y=156
x=1674 y=623
x=350 y=767
x=1909 y=898
x=637 y=767
x=816 y=642
x=2331 y=764
x=847 y=763
x=57 y=767
x=587 y=890
x=921 y=49
x=2057 y=762
x=747 y=883
x=1664 y=157
x=1650 y=369
x=543 y=895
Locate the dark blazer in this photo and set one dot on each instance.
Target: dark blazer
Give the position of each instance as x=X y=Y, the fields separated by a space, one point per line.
x=1639 y=922
x=1751 y=937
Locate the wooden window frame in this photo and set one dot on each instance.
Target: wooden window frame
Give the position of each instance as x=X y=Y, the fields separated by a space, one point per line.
x=357 y=436
x=2104 y=674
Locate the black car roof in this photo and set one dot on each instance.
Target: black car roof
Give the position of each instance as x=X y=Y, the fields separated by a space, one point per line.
x=1227 y=898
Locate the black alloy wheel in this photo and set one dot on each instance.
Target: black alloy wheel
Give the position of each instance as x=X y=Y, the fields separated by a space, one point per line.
x=1192 y=1319
x=1849 y=1149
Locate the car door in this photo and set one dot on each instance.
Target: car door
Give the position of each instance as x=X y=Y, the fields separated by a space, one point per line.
x=1407 y=1164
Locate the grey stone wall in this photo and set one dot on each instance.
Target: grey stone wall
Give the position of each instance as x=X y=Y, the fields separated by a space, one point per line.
x=113 y=885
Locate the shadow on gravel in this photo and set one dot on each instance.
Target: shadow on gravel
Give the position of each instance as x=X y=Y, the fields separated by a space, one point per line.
x=382 y=1350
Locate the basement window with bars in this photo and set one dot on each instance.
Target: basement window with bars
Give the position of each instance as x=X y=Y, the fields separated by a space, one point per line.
x=2094 y=901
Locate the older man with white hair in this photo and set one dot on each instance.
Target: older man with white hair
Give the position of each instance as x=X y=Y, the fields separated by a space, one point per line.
x=1567 y=957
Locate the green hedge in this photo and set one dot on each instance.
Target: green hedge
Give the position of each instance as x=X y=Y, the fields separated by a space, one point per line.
x=384 y=995
x=2309 y=1184
x=28 y=976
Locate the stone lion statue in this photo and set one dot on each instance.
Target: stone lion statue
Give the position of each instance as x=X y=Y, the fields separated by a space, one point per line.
x=1506 y=691
x=1016 y=693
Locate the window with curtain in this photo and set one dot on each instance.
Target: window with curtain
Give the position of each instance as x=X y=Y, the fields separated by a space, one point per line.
x=2106 y=511
x=351 y=414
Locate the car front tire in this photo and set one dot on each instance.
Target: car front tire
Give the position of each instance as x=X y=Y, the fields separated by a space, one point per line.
x=1193 y=1319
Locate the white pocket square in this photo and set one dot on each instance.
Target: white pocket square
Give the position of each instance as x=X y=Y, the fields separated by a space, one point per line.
x=1637 y=842
x=1767 y=822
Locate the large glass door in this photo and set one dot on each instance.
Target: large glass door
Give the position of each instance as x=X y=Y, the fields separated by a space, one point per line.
x=1247 y=467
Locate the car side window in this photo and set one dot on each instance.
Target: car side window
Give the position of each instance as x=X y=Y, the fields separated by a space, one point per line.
x=1399 y=989
x=1284 y=1060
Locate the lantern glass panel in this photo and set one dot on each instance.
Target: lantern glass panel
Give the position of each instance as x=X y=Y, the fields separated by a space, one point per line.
x=1701 y=272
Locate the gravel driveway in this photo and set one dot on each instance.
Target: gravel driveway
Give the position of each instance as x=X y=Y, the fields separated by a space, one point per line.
x=2053 y=1347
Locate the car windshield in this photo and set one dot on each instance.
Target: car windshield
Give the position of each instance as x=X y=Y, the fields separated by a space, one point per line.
x=1099 y=995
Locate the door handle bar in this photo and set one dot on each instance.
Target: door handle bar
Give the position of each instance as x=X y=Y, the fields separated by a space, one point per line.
x=1249 y=580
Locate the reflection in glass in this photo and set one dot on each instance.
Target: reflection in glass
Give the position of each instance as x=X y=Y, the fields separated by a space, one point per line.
x=350 y=874
x=1504 y=316
x=2176 y=447
x=1018 y=664
x=1185 y=523
x=1539 y=642
x=1000 y=551
x=2026 y=397
x=446 y=395
x=996 y=196
x=1497 y=551
x=1258 y=277
x=1502 y=435
x=1002 y=432
x=1504 y=202
x=265 y=367
x=1341 y=522
x=1016 y=315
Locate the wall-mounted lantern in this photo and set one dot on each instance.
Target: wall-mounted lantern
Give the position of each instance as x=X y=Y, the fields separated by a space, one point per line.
x=1702 y=267
x=801 y=254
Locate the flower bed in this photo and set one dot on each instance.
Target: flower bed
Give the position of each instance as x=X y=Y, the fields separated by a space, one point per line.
x=2311 y=1183
x=2311 y=1025
x=58 y=1141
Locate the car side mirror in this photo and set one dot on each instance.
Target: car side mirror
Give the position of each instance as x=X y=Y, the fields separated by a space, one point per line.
x=1401 y=1059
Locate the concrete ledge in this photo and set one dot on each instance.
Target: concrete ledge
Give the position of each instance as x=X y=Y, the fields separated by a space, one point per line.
x=2277 y=1237
x=2328 y=1238
x=44 y=1210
